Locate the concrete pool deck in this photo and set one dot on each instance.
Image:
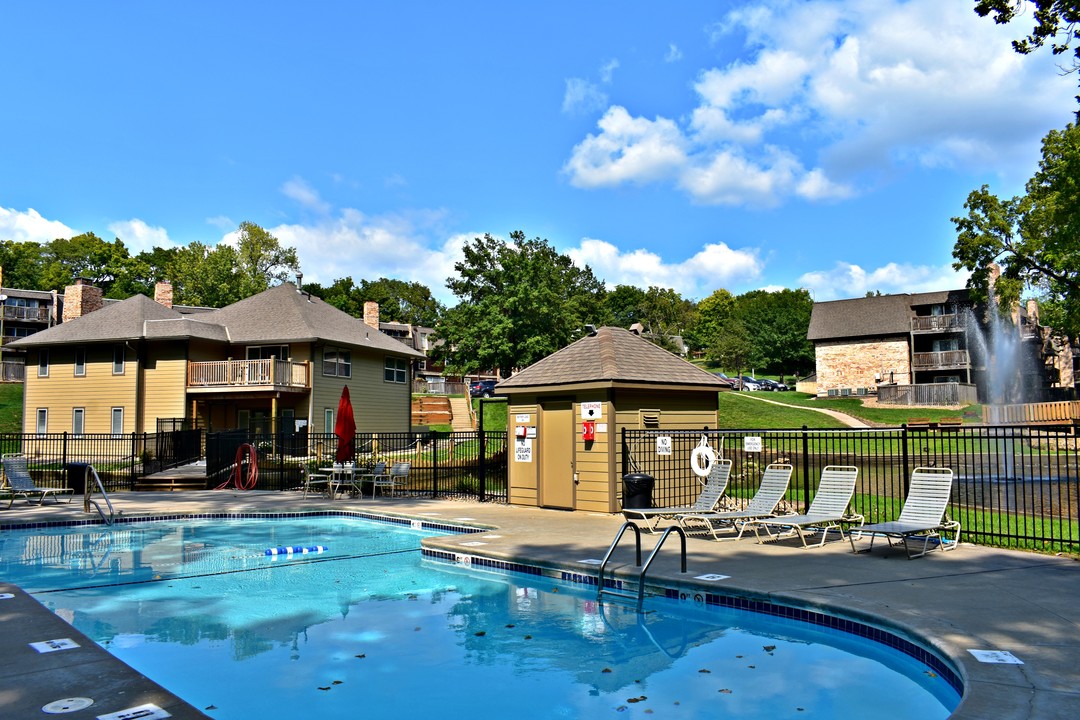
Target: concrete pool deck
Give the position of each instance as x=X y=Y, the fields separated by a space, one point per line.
x=973 y=598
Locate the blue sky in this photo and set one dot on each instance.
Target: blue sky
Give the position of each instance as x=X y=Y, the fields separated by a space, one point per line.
x=693 y=145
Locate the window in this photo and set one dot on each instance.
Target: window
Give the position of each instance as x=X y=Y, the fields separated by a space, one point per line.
x=266 y=352
x=42 y=421
x=80 y=362
x=78 y=420
x=43 y=363
x=117 y=426
x=118 y=360
x=328 y=420
x=337 y=363
x=396 y=370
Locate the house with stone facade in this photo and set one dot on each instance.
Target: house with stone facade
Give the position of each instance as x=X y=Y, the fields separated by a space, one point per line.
x=865 y=345
x=276 y=360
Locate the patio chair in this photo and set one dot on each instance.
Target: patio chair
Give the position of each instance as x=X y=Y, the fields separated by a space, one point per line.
x=924 y=515
x=375 y=475
x=20 y=482
x=827 y=510
x=344 y=479
x=774 y=484
x=393 y=480
x=315 y=482
x=711 y=496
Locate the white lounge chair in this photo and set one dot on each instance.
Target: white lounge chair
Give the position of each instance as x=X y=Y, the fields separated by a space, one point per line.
x=827 y=510
x=20 y=482
x=923 y=516
x=774 y=484
x=393 y=480
x=711 y=496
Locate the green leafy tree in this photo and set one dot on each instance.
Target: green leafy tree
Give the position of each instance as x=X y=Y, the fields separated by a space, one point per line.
x=1034 y=238
x=84 y=256
x=713 y=315
x=342 y=294
x=261 y=261
x=518 y=302
x=733 y=348
x=402 y=301
x=777 y=323
x=22 y=263
x=665 y=314
x=1056 y=21
x=623 y=306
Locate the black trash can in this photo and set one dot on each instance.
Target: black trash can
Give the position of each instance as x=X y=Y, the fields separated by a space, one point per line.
x=76 y=477
x=637 y=491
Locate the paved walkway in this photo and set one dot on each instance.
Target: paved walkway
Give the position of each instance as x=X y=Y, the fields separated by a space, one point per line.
x=842 y=417
x=974 y=598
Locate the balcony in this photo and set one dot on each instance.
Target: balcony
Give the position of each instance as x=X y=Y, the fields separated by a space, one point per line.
x=937 y=323
x=944 y=360
x=248 y=375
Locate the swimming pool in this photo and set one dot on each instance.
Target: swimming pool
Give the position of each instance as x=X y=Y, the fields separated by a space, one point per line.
x=370 y=627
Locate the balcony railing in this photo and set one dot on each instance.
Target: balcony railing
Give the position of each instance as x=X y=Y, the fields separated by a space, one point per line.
x=937 y=323
x=940 y=360
x=252 y=374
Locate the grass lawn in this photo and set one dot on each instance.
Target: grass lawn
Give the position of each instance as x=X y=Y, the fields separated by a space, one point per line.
x=891 y=416
x=11 y=401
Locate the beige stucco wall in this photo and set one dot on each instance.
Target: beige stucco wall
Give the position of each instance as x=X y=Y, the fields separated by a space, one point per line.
x=854 y=364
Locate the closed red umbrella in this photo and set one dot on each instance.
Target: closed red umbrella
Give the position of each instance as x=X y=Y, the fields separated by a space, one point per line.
x=345 y=428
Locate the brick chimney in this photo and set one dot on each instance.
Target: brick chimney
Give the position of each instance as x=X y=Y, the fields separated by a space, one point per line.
x=81 y=298
x=163 y=293
x=371 y=314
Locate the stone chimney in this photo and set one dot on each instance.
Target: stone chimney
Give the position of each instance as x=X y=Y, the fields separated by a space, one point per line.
x=371 y=314
x=163 y=293
x=81 y=298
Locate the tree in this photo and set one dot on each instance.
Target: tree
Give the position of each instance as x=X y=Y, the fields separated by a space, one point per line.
x=777 y=323
x=623 y=306
x=517 y=303
x=402 y=301
x=260 y=260
x=733 y=347
x=1034 y=238
x=1057 y=21
x=665 y=314
x=714 y=314
x=84 y=256
x=22 y=263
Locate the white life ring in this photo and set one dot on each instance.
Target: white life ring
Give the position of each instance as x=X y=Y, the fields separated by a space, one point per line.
x=701 y=460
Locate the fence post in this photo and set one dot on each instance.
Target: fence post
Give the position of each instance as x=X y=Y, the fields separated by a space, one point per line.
x=624 y=455
x=434 y=466
x=134 y=458
x=482 y=469
x=63 y=450
x=806 y=465
x=904 y=449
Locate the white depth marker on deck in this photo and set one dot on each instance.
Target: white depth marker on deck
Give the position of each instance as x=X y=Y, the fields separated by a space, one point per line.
x=1001 y=657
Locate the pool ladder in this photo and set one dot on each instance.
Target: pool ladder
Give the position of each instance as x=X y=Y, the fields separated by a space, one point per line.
x=89 y=500
x=601 y=591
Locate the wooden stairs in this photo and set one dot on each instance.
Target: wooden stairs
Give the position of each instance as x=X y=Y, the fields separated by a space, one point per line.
x=431 y=410
x=461 y=407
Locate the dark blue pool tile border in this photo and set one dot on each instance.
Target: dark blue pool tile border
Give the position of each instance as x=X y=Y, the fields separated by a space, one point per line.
x=424 y=524
x=812 y=617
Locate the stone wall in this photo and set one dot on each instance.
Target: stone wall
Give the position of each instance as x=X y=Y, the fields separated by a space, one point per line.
x=862 y=363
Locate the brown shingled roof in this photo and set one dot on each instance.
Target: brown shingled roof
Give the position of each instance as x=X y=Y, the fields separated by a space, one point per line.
x=613 y=355
x=873 y=316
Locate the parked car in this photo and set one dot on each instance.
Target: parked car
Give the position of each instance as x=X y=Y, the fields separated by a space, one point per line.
x=772 y=385
x=729 y=381
x=482 y=388
x=748 y=383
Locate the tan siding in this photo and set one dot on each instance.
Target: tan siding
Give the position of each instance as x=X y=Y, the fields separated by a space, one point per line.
x=97 y=392
x=164 y=384
x=378 y=406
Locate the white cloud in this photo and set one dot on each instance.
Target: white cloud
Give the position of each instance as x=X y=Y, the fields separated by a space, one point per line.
x=299 y=190
x=842 y=88
x=626 y=149
x=138 y=237
x=713 y=266
x=582 y=97
x=607 y=70
x=674 y=54
x=846 y=280
x=30 y=226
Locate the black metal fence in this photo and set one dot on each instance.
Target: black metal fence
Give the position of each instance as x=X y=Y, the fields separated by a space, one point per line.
x=1015 y=486
x=118 y=459
x=457 y=464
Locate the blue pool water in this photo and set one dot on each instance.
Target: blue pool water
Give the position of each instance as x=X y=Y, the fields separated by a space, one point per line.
x=370 y=629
